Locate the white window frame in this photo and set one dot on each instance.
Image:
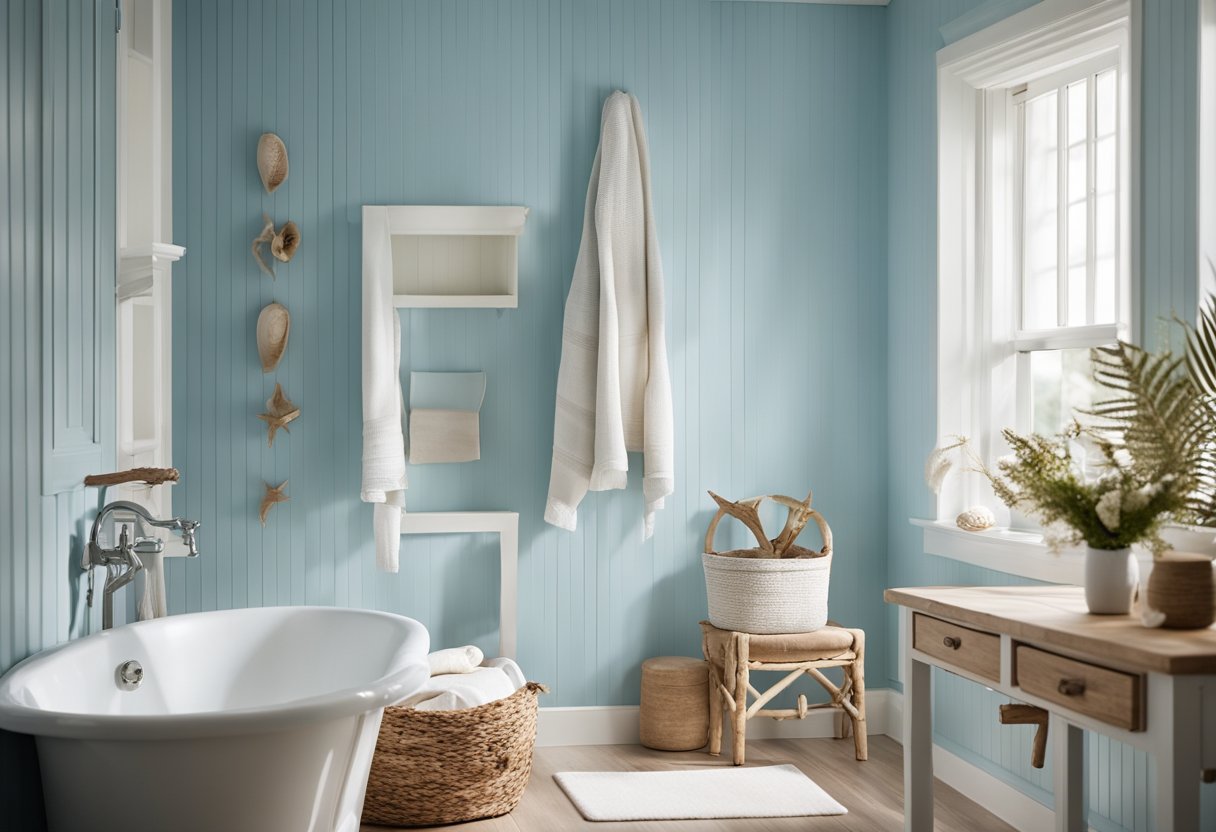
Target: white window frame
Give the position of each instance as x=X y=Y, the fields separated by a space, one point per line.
x=977 y=268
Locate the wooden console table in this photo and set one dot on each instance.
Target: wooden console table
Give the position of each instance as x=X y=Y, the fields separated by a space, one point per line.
x=1152 y=689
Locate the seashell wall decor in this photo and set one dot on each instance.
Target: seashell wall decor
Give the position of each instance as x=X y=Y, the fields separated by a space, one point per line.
x=280 y=411
x=274 y=495
x=274 y=327
x=976 y=519
x=272 y=161
x=284 y=244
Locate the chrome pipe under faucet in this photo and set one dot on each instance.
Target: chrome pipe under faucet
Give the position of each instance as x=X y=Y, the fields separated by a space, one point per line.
x=123 y=561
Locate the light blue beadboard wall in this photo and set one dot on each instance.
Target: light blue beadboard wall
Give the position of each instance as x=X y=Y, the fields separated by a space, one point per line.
x=47 y=80
x=965 y=713
x=767 y=126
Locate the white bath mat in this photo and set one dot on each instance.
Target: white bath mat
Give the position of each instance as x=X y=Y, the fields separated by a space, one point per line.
x=762 y=792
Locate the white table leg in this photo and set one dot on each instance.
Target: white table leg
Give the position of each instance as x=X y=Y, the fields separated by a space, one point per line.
x=918 y=737
x=1177 y=706
x=1068 y=764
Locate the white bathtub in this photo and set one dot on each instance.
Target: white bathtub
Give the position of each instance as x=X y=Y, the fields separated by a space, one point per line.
x=259 y=719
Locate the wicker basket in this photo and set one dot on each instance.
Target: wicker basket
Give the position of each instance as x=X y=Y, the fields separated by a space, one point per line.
x=435 y=767
x=750 y=592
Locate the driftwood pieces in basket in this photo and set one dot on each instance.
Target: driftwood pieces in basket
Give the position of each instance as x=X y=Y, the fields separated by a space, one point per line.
x=747 y=512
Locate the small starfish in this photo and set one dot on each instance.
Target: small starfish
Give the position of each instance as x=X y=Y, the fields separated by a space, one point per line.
x=279 y=411
x=273 y=423
x=274 y=494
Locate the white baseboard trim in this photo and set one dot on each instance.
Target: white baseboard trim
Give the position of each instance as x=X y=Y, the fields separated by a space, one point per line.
x=1019 y=810
x=1003 y=800
x=618 y=724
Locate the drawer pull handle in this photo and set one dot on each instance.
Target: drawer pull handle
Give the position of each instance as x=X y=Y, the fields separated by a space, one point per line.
x=1071 y=687
x=953 y=642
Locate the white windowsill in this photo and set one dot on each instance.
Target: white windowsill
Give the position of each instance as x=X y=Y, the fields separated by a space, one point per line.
x=1016 y=553
x=1025 y=555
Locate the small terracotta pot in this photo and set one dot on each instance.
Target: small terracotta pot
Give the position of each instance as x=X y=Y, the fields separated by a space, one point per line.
x=1180 y=587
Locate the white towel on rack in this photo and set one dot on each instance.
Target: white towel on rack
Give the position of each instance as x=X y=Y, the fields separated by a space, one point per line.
x=384 y=480
x=613 y=387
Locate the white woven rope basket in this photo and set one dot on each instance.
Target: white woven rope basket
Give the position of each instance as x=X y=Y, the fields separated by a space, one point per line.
x=768 y=595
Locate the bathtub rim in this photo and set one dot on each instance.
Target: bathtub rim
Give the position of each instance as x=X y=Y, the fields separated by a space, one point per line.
x=410 y=673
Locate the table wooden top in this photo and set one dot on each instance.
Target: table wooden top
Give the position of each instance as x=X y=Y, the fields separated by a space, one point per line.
x=1055 y=616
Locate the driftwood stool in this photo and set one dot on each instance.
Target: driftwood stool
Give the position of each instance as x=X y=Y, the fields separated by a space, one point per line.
x=733 y=655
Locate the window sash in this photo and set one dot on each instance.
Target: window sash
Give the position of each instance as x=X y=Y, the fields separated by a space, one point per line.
x=1018 y=97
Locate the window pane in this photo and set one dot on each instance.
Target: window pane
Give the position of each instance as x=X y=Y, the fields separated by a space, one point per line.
x=1078 y=112
x=1078 y=225
x=1061 y=383
x=1039 y=211
x=1106 y=184
x=1107 y=91
x=1078 y=203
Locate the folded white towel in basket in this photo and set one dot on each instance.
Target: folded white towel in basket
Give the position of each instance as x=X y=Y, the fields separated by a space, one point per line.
x=455 y=660
x=454 y=691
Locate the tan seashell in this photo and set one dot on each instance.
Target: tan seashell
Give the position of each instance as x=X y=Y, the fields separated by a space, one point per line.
x=280 y=411
x=272 y=161
x=274 y=326
x=285 y=243
x=274 y=494
x=976 y=519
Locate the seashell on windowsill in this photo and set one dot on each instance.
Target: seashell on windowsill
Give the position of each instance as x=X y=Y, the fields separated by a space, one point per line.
x=976 y=519
x=274 y=327
x=272 y=161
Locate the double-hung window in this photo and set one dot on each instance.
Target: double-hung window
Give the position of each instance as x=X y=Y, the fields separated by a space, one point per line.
x=1035 y=152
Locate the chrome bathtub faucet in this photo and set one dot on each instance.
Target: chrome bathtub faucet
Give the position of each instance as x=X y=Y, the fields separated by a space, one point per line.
x=123 y=561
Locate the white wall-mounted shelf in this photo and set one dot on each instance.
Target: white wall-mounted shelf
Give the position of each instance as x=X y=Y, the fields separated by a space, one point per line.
x=455 y=256
x=506 y=525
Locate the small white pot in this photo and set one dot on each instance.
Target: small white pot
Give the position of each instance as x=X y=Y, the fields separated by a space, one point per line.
x=1111 y=576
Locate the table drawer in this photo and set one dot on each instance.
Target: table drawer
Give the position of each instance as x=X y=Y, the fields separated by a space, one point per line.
x=970 y=650
x=1110 y=696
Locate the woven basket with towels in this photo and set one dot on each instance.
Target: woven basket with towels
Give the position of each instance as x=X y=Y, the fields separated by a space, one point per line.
x=435 y=767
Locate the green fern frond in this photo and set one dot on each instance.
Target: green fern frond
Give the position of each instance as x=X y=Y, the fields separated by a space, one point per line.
x=1159 y=416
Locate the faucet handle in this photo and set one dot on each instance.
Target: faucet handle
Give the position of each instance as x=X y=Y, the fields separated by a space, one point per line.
x=188 y=528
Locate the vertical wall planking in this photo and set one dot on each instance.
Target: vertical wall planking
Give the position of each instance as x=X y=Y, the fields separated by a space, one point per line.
x=498 y=102
x=57 y=85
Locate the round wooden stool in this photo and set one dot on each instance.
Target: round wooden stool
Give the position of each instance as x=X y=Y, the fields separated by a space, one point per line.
x=674 y=715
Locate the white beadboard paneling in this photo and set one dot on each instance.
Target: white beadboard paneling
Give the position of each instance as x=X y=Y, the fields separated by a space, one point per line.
x=40 y=601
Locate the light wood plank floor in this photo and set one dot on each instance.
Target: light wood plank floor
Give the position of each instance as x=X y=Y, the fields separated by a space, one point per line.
x=872 y=791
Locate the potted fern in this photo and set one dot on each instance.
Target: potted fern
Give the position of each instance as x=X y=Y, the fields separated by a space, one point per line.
x=1108 y=514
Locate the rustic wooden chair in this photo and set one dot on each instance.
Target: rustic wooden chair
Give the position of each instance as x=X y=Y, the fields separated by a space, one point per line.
x=733 y=655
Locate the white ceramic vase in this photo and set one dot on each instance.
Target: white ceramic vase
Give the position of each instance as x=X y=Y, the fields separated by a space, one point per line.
x=1111 y=576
